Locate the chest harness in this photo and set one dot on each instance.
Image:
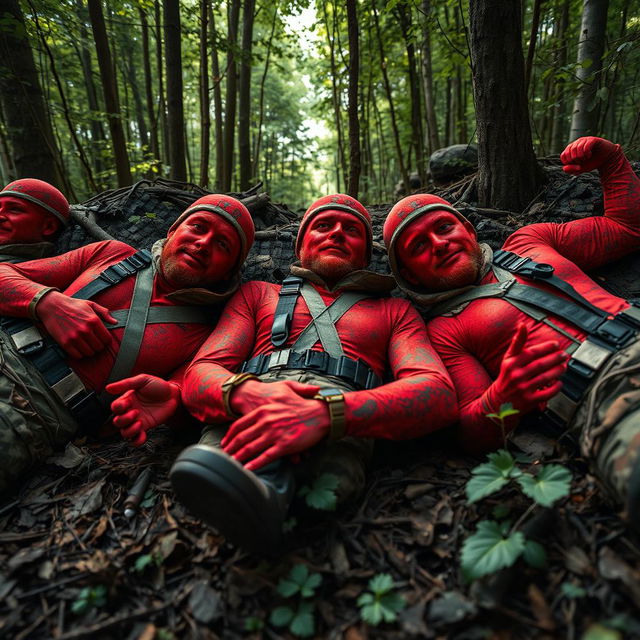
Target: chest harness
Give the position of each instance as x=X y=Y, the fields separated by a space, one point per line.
x=47 y=356
x=605 y=335
x=300 y=355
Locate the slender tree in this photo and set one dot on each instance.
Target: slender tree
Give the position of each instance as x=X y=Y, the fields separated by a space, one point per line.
x=148 y=86
x=217 y=101
x=231 y=101
x=205 y=116
x=110 y=90
x=427 y=80
x=244 y=97
x=354 y=123
x=175 y=105
x=584 y=121
x=508 y=174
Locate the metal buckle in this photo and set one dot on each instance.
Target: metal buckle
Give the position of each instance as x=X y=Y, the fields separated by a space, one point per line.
x=615 y=332
x=139 y=260
x=28 y=340
x=110 y=279
x=68 y=387
x=279 y=359
x=591 y=354
x=315 y=360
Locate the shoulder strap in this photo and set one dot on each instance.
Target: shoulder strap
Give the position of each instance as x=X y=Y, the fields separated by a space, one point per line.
x=322 y=326
x=114 y=274
x=166 y=315
x=289 y=292
x=134 y=327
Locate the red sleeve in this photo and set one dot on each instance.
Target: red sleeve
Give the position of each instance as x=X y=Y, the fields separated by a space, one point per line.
x=473 y=383
x=420 y=400
x=19 y=283
x=226 y=348
x=595 y=241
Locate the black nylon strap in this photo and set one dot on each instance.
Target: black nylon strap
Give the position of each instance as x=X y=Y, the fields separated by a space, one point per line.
x=288 y=296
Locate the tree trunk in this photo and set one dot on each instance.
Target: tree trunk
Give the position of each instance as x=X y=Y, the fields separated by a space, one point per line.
x=533 y=37
x=244 y=97
x=148 y=87
x=175 y=107
x=162 y=102
x=28 y=128
x=354 y=123
x=427 y=80
x=130 y=68
x=508 y=174
x=387 y=86
x=110 y=90
x=205 y=117
x=558 y=129
x=258 y=138
x=217 y=101
x=231 y=97
x=584 y=121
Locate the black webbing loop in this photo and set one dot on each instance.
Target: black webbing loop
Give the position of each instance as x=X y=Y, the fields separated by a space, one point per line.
x=289 y=292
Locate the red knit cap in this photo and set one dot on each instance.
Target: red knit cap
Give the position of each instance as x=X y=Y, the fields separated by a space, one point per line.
x=232 y=210
x=405 y=212
x=337 y=202
x=41 y=193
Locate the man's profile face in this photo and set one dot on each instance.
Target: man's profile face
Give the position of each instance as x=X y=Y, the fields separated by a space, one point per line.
x=24 y=222
x=334 y=244
x=201 y=251
x=439 y=252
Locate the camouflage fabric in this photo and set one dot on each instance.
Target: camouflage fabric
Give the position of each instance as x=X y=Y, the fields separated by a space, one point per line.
x=346 y=459
x=33 y=420
x=608 y=420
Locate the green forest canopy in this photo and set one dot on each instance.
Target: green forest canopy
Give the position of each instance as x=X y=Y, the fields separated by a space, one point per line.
x=291 y=130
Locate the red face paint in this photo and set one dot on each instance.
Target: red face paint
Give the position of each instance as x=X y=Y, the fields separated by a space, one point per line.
x=439 y=252
x=24 y=222
x=201 y=251
x=334 y=244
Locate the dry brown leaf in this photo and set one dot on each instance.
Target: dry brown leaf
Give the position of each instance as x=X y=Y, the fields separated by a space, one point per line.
x=541 y=608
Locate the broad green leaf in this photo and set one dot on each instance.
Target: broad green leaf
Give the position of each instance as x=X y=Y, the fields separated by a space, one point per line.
x=487 y=550
x=571 y=590
x=489 y=477
x=300 y=581
x=371 y=613
x=321 y=494
x=600 y=632
x=366 y=598
x=310 y=585
x=552 y=483
x=381 y=583
x=303 y=624
x=534 y=554
x=392 y=603
x=143 y=562
x=586 y=63
x=281 y=616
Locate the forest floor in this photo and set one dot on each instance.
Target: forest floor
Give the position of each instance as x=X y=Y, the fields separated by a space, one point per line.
x=73 y=566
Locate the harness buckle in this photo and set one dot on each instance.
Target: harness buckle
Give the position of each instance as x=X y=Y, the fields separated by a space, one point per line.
x=591 y=354
x=139 y=260
x=69 y=387
x=315 y=360
x=108 y=277
x=279 y=359
x=615 y=332
x=28 y=341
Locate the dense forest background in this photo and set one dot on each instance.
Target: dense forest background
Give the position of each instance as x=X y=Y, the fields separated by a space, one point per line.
x=307 y=96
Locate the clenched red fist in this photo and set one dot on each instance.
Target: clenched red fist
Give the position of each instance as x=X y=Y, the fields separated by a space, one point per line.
x=587 y=154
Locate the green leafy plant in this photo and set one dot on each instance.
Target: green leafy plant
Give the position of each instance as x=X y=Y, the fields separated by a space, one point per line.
x=90 y=598
x=504 y=412
x=147 y=560
x=253 y=623
x=496 y=545
x=321 y=494
x=381 y=603
x=298 y=587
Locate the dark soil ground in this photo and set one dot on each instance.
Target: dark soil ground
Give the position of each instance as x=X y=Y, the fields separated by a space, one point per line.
x=73 y=566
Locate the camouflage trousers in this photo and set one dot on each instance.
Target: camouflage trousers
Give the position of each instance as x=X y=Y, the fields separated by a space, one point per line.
x=346 y=459
x=33 y=420
x=608 y=423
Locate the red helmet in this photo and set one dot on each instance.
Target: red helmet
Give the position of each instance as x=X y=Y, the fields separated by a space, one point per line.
x=41 y=193
x=406 y=211
x=232 y=210
x=337 y=202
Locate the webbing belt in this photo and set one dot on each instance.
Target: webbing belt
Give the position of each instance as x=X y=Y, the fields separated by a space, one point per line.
x=354 y=371
x=300 y=355
x=165 y=315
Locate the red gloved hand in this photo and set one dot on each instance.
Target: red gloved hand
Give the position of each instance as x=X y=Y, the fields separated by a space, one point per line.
x=76 y=325
x=273 y=431
x=529 y=376
x=145 y=403
x=252 y=394
x=586 y=154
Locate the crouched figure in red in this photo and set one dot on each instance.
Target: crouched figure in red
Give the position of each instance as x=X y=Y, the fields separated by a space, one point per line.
x=97 y=314
x=527 y=326
x=32 y=214
x=309 y=358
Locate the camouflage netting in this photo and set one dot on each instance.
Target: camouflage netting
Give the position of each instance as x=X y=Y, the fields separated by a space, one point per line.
x=141 y=214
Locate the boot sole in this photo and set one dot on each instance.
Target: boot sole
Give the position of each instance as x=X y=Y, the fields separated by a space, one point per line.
x=216 y=489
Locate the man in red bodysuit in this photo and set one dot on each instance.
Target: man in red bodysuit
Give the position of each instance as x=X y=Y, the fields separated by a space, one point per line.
x=104 y=312
x=315 y=351
x=511 y=342
x=32 y=213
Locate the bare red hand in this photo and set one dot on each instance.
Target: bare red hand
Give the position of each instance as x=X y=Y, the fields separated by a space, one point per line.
x=529 y=375
x=145 y=403
x=586 y=154
x=272 y=431
x=252 y=394
x=76 y=325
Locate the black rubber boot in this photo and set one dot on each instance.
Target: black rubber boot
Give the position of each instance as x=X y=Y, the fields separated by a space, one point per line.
x=248 y=508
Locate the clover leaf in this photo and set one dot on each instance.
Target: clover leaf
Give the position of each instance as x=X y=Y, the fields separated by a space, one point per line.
x=552 y=483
